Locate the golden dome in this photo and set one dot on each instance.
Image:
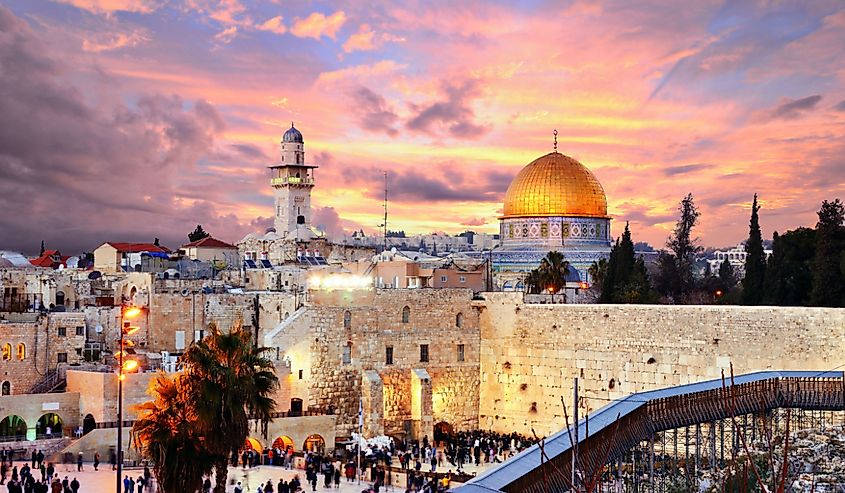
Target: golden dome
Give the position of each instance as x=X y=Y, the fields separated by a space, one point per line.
x=555 y=185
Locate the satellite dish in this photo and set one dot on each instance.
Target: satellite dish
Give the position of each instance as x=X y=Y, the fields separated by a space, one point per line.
x=98 y=329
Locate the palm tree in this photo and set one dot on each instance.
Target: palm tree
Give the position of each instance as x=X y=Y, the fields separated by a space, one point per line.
x=232 y=381
x=167 y=433
x=550 y=276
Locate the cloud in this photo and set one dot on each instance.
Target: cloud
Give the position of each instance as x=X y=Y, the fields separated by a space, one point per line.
x=685 y=168
x=791 y=109
x=360 y=72
x=318 y=25
x=454 y=114
x=373 y=112
x=273 y=25
x=475 y=221
x=363 y=40
x=366 y=39
x=109 y=6
x=90 y=173
x=327 y=220
x=840 y=106
x=227 y=35
x=99 y=42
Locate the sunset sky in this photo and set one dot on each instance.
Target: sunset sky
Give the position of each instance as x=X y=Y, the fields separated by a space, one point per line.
x=125 y=120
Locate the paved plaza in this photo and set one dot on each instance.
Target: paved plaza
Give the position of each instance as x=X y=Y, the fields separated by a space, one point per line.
x=103 y=481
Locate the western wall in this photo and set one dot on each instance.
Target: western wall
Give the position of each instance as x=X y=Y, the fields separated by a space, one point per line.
x=520 y=359
x=530 y=353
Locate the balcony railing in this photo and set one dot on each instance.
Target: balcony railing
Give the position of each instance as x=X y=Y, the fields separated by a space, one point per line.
x=291 y=180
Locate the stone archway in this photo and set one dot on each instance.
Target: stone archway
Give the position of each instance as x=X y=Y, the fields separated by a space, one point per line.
x=13 y=428
x=315 y=443
x=253 y=444
x=49 y=426
x=443 y=432
x=284 y=443
x=88 y=424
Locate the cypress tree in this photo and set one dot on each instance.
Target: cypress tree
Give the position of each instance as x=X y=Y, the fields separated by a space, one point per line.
x=626 y=280
x=828 y=282
x=789 y=272
x=755 y=261
x=727 y=278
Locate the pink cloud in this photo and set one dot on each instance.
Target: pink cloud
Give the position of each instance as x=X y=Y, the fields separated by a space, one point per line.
x=318 y=25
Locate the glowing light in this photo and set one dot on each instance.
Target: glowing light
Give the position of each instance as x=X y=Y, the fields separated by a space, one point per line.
x=131 y=329
x=131 y=312
x=339 y=281
x=584 y=285
x=718 y=293
x=130 y=365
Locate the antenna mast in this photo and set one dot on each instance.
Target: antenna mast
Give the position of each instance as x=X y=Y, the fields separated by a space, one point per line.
x=385 y=211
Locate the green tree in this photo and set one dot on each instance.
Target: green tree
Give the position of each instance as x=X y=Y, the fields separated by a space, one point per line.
x=626 y=280
x=675 y=268
x=168 y=434
x=828 y=282
x=727 y=276
x=755 y=261
x=232 y=381
x=598 y=273
x=789 y=273
x=550 y=276
x=197 y=234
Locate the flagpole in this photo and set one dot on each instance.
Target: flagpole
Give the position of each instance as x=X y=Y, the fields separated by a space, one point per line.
x=360 y=434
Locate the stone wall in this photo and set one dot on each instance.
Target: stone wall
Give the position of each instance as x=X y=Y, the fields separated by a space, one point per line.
x=31 y=407
x=530 y=354
x=375 y=323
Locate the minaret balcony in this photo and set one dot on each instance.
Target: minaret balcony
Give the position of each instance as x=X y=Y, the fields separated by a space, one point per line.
x=291 y=180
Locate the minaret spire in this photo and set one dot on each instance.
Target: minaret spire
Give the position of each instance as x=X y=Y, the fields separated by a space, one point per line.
x=555 y=134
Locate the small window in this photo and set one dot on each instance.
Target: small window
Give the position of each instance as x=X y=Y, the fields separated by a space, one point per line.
x=80 y=330
x=406 y=315
x=460 y=353
x=300 y=374
x=347 y=354
x=423 y=353
x=459 y=320
x=62 y=331
x=62 y=357
x=7 y=388
x=388 y=355
x=7 y=352
x=462 y=278
x=21 y=351
x=347 y=320
x=443 y=278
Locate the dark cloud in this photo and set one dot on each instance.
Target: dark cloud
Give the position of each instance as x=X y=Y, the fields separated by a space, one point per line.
x=326 y=219
x=685 y=168
x=77 y=174
x=374 y=113
x=840 y=106
x=475 y=221
x=250 y=151
x=453 y=115
x=795 y=108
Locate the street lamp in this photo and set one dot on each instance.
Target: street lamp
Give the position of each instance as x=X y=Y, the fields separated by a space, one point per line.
x=126 y=328
x=552 y=292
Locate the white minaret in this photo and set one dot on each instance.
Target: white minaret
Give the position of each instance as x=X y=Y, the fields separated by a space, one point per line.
x=293 y=180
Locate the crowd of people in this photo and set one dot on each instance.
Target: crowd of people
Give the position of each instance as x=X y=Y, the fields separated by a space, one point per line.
x=26 y=480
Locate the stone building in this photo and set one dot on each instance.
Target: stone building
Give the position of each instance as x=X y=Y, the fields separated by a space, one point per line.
x=35 y=346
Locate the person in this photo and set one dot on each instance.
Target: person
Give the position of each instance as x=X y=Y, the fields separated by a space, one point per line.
x=96 y=460
x=74 y=485
x=79 y=462
x=40 y=458
x=113 y=460
x=337 y=476
x=140 y=483
x=268 y=488
x=3 y=471
x=56 y=486
x=433 y=463
x=34 y=458
x=126 y=485
x=238 y=488
x=281 y=487
x=50 y=471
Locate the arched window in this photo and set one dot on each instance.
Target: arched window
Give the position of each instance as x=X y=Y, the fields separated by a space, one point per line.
x=7 y=388
x=7 y=352
x=347 y=319
x=21 y=351
x=406 y=315
x=346 y=358
x=459 y=320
